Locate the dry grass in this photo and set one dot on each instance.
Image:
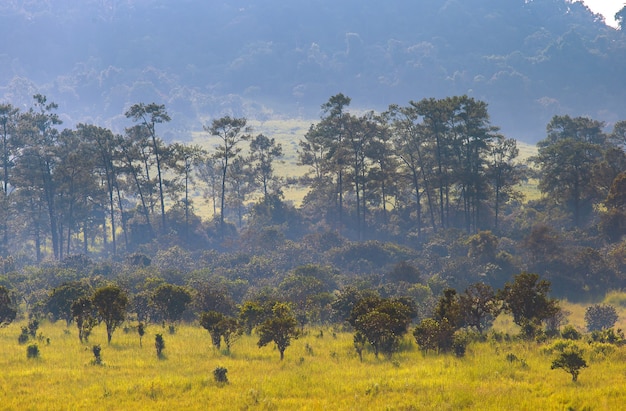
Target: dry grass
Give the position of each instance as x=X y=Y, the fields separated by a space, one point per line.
x=318 y=373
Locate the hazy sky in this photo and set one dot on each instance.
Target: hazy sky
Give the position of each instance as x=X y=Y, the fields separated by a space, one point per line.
x=607 y=8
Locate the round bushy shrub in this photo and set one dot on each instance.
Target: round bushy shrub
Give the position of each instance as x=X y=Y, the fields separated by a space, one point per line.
x=600 y=317
x=32 y=351
x=219 y=374
x=570 y=333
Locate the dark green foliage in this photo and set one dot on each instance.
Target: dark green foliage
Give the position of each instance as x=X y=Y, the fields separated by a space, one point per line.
x=141 y=330
x=382 y=322
x=61 y=298
x=570 y=360
x=28 y=332
x=433 y=335
x=251 y=314
x=346 y=299
x=367 y=256
x=600 y=317
x=211 y=296
x=24 y=336
x=32 y=351
x=526 y=298
x=171 y=301
x=483 y=246
x=97 y=354
x=479 y=306
x=359 y=344
x=159 y=345
x=280 y=328
x=459 y=343
x=405 y=272
x=219 y=373
x=220 y=326
x=448 y=308
x=230 y=330
x=610 y=336
x=566 y=159
x=211 y=321
x=111 y=302
x=33 y=326
x=570 y=333
x=7 y=312
x=84 y=314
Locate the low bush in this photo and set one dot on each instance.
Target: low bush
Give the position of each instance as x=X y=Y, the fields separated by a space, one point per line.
x=219 y=374
x=600 y=317
x=32 y=351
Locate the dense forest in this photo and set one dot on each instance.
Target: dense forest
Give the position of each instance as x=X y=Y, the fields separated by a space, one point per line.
x=408 y=204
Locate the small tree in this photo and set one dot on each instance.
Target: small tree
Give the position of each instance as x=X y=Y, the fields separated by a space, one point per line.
x=83 y=313
x=359 y=344
x=230 y=330
x=141 y=330
x=159 y=344
x=527 y=299
x=171 y=301
x=97 y=354
x=60 y=301
x=251 y=314
x=570 y=360
x=382 y=322
x=111 y=302
x=600 y=317
x=280 y=328
x=434 y=335
x=7 y=312
x=211 y=320
x=479 y=306
x=32 y=351
x=219 y=373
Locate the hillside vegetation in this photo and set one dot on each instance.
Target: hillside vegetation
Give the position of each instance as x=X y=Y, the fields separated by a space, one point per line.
x=266 y=60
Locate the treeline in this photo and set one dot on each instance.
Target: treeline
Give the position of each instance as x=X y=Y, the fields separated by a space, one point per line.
x=431 y=189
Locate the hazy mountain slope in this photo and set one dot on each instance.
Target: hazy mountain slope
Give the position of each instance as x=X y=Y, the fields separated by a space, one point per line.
x=528 y=59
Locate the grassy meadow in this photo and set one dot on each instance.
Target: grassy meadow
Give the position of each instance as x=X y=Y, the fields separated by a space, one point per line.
x=320 y=372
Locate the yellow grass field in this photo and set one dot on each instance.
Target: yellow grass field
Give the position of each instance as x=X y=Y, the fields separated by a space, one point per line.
x=318 y=373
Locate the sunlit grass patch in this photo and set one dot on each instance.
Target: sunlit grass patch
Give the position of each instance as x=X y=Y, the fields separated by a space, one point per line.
x=318 y=372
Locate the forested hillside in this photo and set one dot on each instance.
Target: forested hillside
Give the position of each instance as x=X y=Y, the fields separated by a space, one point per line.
x=529 y=60
x=412 y=200
x=414 y=212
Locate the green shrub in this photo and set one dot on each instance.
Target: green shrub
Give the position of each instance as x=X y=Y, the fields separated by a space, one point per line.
x=601 y=351
x=32 y=351
x=24 y=336
x=33 y=326
x=610 y=336
x=97 y=353
x=219 y=374
x=459 y=343
x=558 y=346
x=570 y=360
x=570 y=333
x=159 y=344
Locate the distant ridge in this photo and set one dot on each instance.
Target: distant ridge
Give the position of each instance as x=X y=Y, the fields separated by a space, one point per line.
x=264 y=59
